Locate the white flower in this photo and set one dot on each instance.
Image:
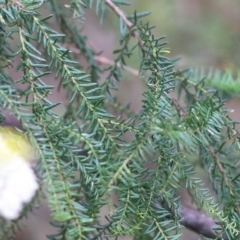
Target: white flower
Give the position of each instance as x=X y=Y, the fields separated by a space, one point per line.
x=18 y=182
x=18 y=185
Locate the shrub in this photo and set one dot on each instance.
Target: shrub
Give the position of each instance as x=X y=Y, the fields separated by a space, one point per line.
x=99 y=148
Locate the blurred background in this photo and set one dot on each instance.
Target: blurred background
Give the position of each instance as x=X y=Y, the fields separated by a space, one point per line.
x=202 y=33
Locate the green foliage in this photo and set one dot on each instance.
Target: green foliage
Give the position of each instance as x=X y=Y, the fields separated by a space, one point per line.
x=84 y=156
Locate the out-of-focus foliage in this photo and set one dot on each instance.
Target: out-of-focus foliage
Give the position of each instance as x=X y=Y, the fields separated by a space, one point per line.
x=202 y=33
x=85 y=158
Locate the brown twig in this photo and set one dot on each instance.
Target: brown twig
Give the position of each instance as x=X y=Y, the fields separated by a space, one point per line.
x=107 y=61
x=194 y=220
x=180 y=109
x=120 y=13
x=104 y=60
x=10 y=120
x=198 y=222
x=129 y=24
x=221 y=169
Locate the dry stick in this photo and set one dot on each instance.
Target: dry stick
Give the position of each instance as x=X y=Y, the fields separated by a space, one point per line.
x=107 y=61
x=180 y=109
x=129 y=24
x=198 y=222
x=221 y=169
x=104 y=60
x=120 y=13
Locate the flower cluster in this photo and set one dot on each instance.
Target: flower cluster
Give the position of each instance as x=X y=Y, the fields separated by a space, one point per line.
x=18 y=185
x=18 y=182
